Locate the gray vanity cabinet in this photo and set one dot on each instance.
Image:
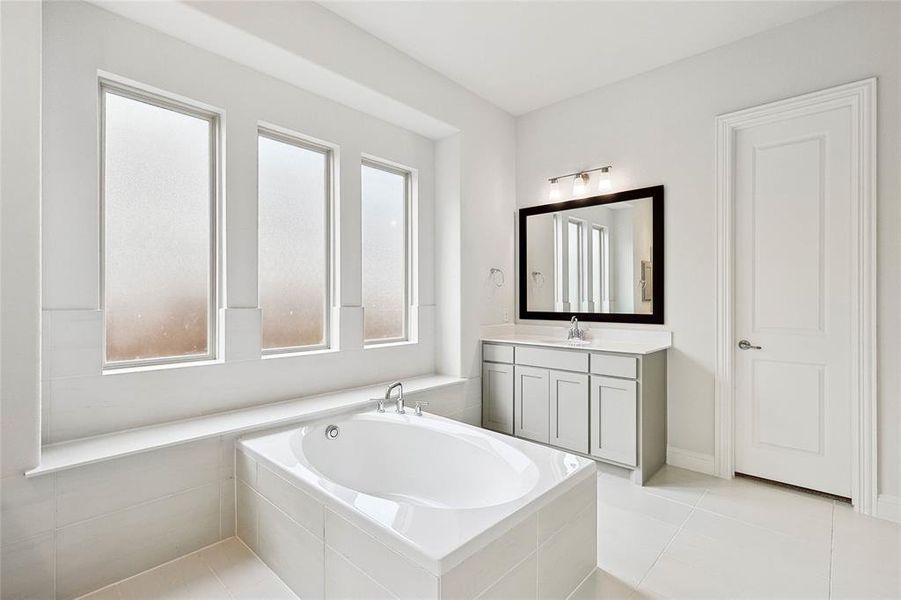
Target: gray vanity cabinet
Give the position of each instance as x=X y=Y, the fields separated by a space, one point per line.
x=497 y=397
x=569 y=410
x=614 y=404
x=531 y=403
x=607 y=405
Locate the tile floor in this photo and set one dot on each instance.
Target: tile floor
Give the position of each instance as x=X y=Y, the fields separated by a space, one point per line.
x=223 y=571
x=687 y=535
x=684 y=535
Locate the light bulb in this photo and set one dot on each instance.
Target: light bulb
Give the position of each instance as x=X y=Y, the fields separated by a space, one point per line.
x=604 y=181
x=580 y=184
x=555 y=191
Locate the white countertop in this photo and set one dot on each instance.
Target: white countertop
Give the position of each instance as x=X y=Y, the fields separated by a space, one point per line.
x=639 y=345
x=85 y=451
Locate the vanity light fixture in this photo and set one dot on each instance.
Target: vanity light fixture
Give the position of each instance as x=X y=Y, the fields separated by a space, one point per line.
x=604 y=181
x=554 y=194
x=580 y=182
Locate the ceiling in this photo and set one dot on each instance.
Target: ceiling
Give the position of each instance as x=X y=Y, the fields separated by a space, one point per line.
x=525 y=55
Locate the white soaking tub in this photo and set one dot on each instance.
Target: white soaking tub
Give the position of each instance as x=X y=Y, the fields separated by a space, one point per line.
x=415 y=506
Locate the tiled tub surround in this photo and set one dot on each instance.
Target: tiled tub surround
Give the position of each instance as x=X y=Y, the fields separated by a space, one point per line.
x=73 y=531
x=327 y=540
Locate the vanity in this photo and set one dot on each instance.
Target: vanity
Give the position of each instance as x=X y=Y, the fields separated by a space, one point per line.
x=605 y=399
x=599 y=394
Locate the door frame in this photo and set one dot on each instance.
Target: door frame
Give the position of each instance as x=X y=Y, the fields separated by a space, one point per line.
x=860 y=98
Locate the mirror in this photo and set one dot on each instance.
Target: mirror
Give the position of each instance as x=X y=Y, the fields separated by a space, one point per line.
x=599 y=258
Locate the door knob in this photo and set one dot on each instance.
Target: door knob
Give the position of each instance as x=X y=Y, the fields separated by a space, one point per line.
x=746 y=345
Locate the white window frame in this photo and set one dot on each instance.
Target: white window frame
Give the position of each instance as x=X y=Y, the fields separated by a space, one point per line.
x=407 y=174
x=603 y=299
x=159 y=99
x=581 y=267
x=295 y=139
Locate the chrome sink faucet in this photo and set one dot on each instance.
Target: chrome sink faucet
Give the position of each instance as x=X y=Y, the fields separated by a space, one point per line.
x=574 y=332
x=399 y=399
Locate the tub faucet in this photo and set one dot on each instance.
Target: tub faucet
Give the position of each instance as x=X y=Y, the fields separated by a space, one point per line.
x=399 y=400
x=574 y=332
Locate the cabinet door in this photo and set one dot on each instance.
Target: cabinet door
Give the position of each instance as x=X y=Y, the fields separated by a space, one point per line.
x=614 y=419
x=497 y=397
x=532 y=405
x=569 y=410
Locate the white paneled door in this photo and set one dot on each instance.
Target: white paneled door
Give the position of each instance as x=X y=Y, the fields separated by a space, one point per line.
x=794 y=195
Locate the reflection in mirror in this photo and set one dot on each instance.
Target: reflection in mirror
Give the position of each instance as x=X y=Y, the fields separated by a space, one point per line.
x=595 y=256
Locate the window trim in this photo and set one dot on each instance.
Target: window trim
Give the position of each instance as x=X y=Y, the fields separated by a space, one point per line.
x=604 y=254
x=136 y=92
x=294 y=139
x=407 y=174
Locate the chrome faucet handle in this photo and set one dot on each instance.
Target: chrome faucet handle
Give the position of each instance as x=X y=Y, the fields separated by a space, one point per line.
x=574 y=332
x=419 y=405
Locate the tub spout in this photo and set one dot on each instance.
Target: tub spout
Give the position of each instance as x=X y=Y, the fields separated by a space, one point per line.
x=399 y=400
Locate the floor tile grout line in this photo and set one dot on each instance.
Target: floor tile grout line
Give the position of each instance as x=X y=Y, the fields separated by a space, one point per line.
x=257 y=556
x=671 y=540
x=225 y=587
x=168 y=562
x=757 y=526
x=651 y=492
x=591 y=574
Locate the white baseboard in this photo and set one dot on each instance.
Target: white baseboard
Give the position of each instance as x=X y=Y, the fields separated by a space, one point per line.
x=689 y=459
x=888 y=508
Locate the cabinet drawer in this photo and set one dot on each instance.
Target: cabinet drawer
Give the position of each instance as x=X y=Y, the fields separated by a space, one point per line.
x=552 y=359
x=614 y=366
x=496 y=353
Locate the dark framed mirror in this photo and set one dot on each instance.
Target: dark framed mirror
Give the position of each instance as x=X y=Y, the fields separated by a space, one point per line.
x=598 y=258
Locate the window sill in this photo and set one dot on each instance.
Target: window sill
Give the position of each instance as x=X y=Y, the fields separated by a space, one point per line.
x=85 y=451
x=377 y=345
x=295 y=353
x=184 y=364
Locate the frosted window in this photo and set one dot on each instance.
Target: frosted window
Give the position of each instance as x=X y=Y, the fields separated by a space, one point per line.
x=293 y=195
x=157 y=234
x=384 y=254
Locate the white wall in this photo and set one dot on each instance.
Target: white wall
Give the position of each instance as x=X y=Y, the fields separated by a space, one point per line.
x=658 y=128
x=20 y=236
x=79 y=40
x=177 y=500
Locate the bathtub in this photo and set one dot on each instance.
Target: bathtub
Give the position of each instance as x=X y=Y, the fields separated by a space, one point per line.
x=391 y=501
